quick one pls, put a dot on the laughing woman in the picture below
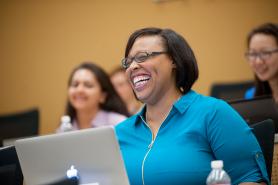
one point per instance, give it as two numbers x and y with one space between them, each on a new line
176 135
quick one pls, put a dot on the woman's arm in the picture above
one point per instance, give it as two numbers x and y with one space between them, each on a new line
223 127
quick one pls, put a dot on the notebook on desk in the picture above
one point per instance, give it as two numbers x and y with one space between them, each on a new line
94 153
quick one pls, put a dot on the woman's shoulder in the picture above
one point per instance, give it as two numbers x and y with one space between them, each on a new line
130 121
116 116
208 106
208 101
112 118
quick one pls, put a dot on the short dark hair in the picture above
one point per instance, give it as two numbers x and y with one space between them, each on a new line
178 49
271 29
113 102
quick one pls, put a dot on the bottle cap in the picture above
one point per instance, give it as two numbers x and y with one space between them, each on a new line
217 164
65 119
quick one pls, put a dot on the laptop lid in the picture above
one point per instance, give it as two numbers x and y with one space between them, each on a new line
94 153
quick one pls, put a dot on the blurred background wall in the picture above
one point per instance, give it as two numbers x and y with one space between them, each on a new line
42 40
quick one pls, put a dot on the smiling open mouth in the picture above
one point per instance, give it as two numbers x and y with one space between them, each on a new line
140 81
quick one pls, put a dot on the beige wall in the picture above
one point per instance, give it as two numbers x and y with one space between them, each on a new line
42 40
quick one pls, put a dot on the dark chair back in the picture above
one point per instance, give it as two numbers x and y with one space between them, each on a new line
230 91
257 109
10 170
264 132
18 125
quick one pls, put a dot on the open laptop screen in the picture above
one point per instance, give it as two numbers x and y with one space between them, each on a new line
94 153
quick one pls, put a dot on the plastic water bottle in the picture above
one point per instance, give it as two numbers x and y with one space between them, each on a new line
66 124
218 176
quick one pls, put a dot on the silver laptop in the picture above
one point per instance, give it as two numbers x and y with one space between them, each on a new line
93 153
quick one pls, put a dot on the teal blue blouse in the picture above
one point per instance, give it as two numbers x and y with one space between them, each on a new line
197 130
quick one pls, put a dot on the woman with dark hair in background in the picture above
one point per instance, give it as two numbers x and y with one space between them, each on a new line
262 55
178 132
92 99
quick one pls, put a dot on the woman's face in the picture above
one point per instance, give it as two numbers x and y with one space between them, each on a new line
154 77
85 92
265 69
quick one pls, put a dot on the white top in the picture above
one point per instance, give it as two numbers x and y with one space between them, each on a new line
102 118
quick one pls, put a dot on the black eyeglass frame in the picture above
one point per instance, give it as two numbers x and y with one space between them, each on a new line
126 62
263 55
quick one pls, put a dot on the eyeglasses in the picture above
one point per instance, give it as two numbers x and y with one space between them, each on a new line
140 57
263 55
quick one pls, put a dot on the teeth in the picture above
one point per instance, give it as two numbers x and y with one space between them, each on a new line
140 83
140 78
